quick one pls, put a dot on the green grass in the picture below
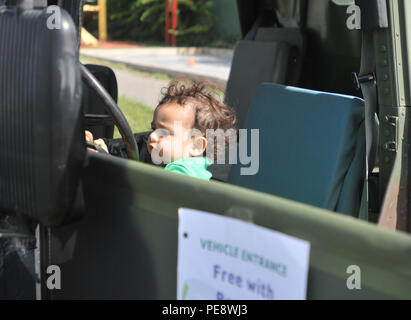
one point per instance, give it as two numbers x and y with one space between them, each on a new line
122 66
139 116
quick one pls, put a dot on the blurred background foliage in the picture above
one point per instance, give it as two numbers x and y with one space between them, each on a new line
143 21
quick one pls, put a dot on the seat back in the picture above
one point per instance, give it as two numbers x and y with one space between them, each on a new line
75 9
312 147
274 56
42 144
92 103
296 40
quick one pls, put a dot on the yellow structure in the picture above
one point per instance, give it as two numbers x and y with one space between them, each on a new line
101 10
88 39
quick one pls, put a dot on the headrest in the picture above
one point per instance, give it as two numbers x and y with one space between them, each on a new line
41 136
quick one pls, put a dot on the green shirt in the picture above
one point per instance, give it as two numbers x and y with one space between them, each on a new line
194 167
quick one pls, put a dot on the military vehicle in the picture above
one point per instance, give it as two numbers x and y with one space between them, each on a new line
327 83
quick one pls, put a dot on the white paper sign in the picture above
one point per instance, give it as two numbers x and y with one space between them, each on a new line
223 258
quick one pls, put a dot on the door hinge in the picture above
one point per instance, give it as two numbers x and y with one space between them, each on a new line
392 146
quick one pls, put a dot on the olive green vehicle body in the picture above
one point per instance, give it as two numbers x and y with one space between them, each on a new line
125 246
128 248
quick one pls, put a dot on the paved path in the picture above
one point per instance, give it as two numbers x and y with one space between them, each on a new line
199 63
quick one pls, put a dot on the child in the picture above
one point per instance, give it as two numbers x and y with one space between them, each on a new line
188 119
185 115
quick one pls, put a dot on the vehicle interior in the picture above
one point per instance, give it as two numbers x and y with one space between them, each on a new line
110 221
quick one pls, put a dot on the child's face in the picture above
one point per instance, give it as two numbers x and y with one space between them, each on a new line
173 137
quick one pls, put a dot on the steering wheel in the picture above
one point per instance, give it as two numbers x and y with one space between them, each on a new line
114 111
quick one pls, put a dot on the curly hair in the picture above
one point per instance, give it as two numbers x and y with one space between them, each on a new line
210 111
206 98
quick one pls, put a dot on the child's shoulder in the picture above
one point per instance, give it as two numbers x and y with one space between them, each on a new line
193 167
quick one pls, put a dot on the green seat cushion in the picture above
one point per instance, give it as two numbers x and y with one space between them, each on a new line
311 147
